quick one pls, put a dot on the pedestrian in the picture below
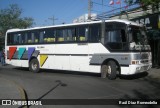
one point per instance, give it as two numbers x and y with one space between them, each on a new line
2 55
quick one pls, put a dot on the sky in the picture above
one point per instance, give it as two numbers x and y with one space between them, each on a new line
65 11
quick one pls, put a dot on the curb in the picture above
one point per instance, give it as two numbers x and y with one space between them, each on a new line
20 89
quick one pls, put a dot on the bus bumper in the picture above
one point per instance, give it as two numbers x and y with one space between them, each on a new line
133 69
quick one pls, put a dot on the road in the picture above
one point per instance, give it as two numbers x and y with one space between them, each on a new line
76 85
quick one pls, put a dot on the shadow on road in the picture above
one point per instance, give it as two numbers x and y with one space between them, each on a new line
71 72
59 83
61 72
21 68
151 83
135 76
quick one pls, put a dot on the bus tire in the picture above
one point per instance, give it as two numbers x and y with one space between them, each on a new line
34 65
109 70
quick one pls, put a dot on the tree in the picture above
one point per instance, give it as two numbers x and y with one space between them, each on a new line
145 3
153 3
11 18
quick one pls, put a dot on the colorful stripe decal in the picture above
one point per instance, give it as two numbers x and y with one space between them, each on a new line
30 52
12 50
43 59
21 52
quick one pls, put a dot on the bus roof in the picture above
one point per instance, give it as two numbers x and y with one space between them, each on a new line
72 24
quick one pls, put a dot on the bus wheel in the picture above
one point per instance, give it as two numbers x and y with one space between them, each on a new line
109 70
34 65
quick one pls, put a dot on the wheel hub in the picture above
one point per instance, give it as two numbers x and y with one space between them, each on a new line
34 66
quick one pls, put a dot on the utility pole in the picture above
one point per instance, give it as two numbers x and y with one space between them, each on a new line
89 9
53 19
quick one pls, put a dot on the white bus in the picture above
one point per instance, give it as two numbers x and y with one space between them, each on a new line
108 47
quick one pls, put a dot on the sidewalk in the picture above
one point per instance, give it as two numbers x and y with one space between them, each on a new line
154 73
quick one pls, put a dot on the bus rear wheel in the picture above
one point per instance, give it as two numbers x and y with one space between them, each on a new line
109 70
34 65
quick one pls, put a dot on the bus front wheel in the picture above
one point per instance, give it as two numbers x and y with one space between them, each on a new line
34 65
109 70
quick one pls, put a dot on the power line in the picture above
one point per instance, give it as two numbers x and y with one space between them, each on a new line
53 19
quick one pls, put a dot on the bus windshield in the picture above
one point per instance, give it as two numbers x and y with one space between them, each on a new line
137 37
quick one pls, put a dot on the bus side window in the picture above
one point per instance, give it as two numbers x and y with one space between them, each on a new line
36 36
83 33
94 33
19 38
70 34
113 39
116 39
26 38
32 37
10 39
74 36
41 39
49 35
65 35
59 35
123 35
29 37
15 39
23 38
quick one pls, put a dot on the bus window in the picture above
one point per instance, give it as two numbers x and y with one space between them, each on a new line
65 35
59 35
74 36
36 37
41 38
94 33
29 37
115 39
70 34
26 38
113 36
33 37
83 33
17 38
123 35
22 38
10 39
49 35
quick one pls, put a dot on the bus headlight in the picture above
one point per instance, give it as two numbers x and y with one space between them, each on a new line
135 62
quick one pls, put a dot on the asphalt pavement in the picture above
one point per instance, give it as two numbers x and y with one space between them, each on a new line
79 86
11 90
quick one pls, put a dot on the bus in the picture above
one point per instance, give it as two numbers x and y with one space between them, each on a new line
109 47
